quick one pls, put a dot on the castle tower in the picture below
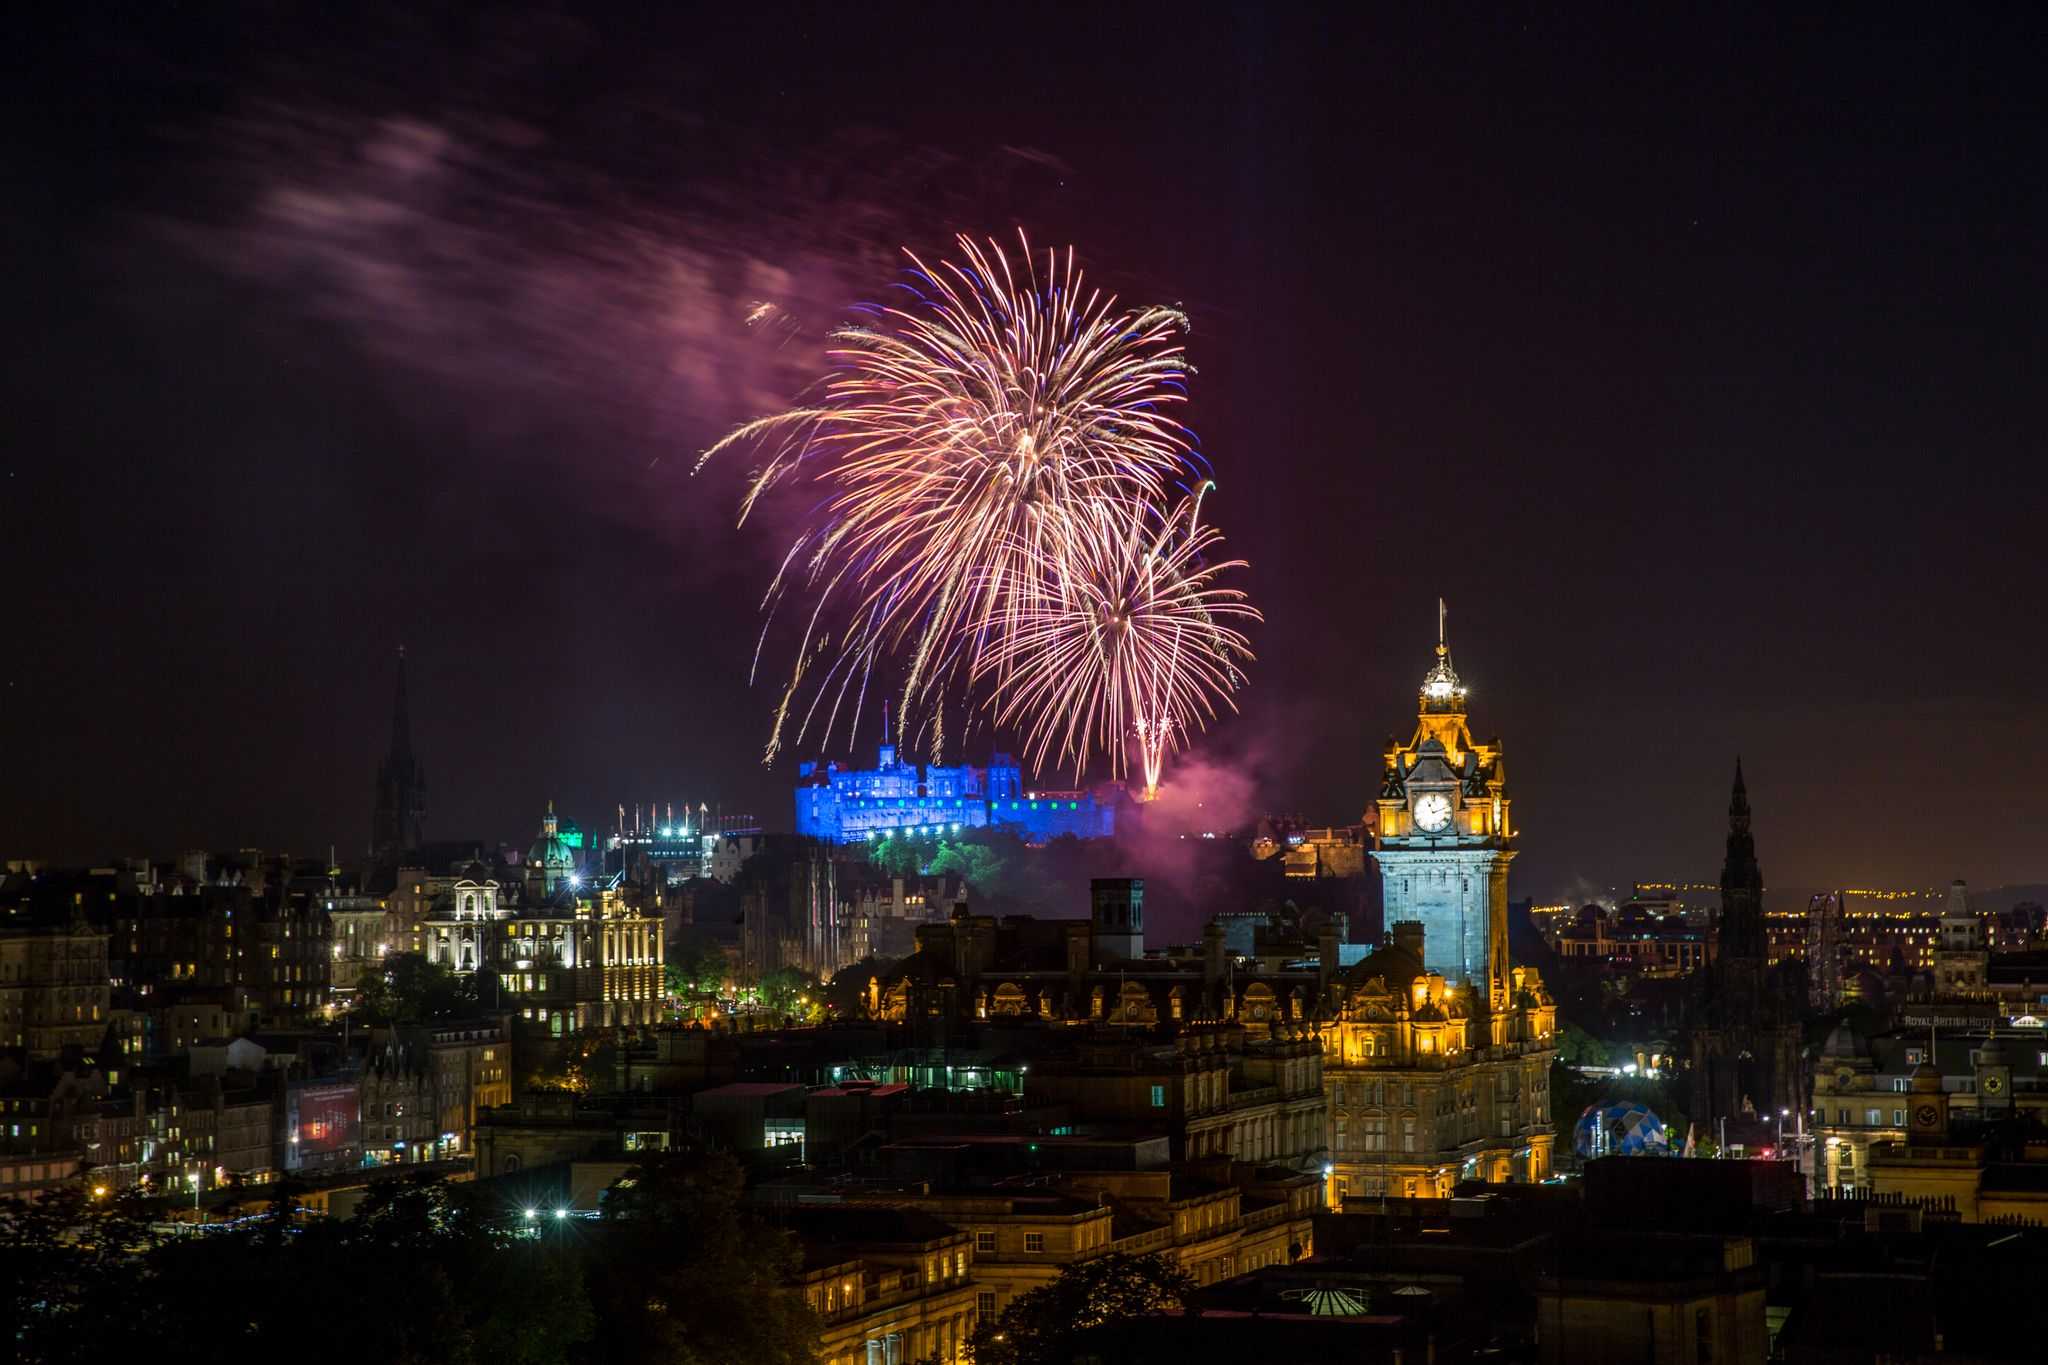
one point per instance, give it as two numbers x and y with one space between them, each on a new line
398 820
1443 838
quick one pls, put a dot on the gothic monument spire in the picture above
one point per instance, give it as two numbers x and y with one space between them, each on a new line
398 822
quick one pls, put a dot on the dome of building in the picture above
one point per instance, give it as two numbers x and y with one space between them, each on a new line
550 853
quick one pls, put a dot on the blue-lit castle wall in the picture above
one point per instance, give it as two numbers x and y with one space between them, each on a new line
848 805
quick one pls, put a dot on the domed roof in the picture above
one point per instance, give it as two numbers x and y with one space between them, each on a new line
548 851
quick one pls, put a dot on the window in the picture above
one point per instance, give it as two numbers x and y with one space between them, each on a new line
1034 1241
1158 1097
1899 1083
1898 1118
1841 1116
984 1243
985 1303
1873 1117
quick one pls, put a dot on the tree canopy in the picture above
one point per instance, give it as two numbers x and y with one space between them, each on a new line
410 989
1040 1327
676 1272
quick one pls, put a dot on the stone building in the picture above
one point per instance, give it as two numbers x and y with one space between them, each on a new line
1427 1087
975 967
891 1284
423 1086
1922 1114
1213 1089
1215 1219
53 987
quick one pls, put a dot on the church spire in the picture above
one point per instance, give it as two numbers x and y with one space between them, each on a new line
401 717
1742 881
398 822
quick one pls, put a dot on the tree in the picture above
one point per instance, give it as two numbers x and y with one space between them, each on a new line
975 863
410 989
790 991
698 973
1040 1327
898 857
681 1273
68 1271
847 995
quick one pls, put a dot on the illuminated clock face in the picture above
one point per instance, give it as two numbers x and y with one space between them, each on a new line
1433 811
1926 1115
1993 1084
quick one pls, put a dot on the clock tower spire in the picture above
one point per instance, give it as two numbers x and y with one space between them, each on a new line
1442 836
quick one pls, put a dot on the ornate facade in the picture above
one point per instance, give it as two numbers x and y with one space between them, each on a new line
573 954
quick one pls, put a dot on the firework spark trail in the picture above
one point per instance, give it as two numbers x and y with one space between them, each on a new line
994 457
1131 641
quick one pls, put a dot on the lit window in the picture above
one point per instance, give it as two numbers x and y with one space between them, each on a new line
1158 1097
1034 1241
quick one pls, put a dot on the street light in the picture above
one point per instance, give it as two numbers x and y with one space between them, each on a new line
193 1178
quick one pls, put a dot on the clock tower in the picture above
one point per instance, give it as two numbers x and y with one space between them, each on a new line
1443 838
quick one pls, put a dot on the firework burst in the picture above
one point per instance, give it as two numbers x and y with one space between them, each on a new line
984 450
1131 641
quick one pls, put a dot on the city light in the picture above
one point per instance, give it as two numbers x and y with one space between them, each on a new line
531 1214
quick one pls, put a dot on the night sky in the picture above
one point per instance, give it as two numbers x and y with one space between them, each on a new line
1696 362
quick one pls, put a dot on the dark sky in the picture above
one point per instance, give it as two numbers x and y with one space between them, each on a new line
1695 360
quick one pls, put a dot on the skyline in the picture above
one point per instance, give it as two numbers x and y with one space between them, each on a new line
1691 365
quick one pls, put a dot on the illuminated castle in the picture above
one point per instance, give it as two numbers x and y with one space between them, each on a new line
918 801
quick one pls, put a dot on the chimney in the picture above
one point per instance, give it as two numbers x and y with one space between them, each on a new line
1213 960
1408 935
1326 957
